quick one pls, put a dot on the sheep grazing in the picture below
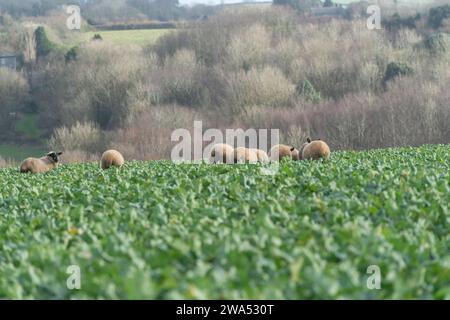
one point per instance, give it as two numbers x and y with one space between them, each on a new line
222 153
41 165
244 155
302 148
263 157
315 150
112 158
281 151
296 155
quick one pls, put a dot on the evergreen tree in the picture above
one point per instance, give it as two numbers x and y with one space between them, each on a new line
43 43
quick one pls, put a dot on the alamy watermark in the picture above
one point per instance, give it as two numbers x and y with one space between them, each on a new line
74 280
74 20
374 280
374 20
194 146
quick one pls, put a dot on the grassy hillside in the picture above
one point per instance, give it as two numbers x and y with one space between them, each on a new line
68 39
124 37
160 230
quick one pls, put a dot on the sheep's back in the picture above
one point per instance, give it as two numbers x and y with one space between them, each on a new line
245 155
27 165
112 158
35 165
316 150
261 154
283 152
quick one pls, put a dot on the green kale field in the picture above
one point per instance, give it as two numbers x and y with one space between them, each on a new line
157 230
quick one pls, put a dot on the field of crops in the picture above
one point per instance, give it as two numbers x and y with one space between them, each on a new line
165 231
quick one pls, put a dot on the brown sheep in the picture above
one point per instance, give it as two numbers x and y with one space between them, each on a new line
303 148
281 151
315 150
296 155
222 153
263 157
41 165
112 158
244 155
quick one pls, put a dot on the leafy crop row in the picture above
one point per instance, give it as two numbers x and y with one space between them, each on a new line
157 230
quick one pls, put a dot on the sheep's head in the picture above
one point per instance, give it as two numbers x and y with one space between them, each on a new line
54 156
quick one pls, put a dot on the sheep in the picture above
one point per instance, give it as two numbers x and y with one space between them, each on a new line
296 155
263 157
41 165
301 150
281 151
222 153
111 158
315 150
244 155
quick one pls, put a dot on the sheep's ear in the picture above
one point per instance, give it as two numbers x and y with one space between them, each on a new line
59 153
292 149
309 140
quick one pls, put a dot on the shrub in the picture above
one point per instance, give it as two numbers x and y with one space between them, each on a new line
169 43
294 136
396 22
50 103
85 137
97 37
411 112
13 99
6 163
407 40
262 87
395 69
438 43
249 48
71 55
101 84
43 45
339 58
80 156
148 134
186 82
178 78
307 91
438 15
210 39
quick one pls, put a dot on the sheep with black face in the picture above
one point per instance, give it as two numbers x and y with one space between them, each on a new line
41 165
